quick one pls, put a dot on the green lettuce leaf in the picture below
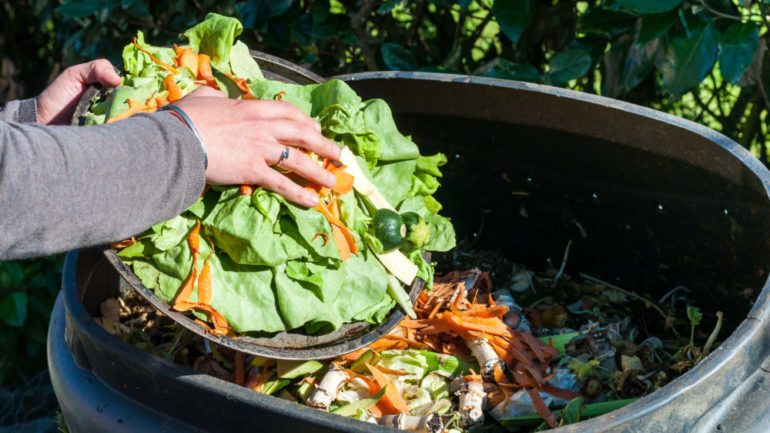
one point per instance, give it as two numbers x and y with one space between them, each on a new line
394 180
243 65
215 36
442 233
139 64
248 237
141 91
392 145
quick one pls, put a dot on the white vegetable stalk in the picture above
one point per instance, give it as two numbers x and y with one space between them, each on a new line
472 401
419 424
486 356
326 391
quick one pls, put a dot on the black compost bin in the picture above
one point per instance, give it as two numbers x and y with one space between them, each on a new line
649 200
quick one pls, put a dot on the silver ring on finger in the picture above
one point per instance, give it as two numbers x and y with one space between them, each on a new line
283 156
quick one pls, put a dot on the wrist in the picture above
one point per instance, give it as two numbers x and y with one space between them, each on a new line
180 114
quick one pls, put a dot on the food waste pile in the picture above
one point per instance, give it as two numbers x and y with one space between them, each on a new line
494 346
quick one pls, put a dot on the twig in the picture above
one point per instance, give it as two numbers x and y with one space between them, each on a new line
647 302
718 13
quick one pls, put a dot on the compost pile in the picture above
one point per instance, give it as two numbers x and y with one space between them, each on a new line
243 260
495 346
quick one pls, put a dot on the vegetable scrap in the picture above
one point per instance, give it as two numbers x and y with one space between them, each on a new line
267 265
503 348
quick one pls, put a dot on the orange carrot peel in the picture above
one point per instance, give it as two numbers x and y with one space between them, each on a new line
391 403
155 59
204 71
182 302
186 58
174 91
135 107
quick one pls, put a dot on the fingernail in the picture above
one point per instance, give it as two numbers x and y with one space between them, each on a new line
317 126
311 199
331 180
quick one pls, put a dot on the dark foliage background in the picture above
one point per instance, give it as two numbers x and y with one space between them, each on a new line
705 60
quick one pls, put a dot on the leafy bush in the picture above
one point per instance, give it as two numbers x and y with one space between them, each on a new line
701 59
27 292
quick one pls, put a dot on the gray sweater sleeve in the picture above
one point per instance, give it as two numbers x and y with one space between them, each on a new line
24 111
65 187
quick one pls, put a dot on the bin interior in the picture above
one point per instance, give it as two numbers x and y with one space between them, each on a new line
643 221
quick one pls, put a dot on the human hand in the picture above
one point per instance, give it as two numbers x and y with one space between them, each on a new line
57 102
245 138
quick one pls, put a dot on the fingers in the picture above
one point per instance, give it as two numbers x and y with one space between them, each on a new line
299 163
294 134
99 71
278 183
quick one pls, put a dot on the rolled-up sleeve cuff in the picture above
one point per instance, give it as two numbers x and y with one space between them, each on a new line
27 111
23 111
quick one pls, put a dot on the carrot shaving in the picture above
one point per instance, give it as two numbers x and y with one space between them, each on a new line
134 107
204 283
409 341
181 301
124 243
346 243
155 59
279 96
393 372
474 377
246 190
344 182
174 91
205 74
392 401
193 240
161 101
243 85
186 57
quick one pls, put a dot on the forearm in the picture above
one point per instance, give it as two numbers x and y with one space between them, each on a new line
23 111
69 187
